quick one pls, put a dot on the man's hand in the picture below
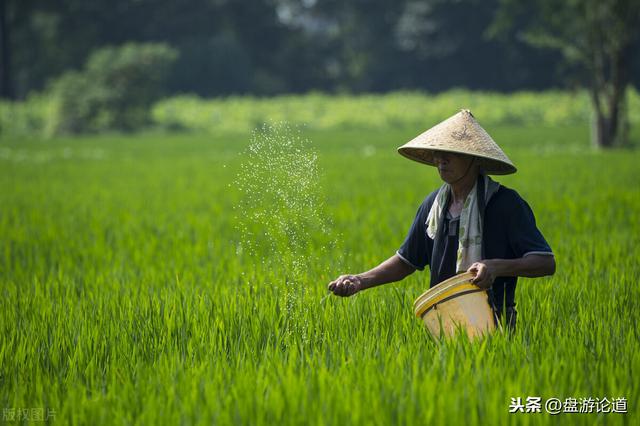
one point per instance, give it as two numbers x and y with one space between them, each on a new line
346 285
484 273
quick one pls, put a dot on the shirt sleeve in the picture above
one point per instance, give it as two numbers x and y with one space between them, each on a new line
524 236
414 250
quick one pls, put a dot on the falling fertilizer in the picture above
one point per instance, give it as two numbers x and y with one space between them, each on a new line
280 216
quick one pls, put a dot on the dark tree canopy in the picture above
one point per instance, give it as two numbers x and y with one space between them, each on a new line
284 46
597 38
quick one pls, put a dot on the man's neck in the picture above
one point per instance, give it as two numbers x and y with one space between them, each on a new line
462 188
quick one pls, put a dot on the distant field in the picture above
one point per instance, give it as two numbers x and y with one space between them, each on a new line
125 298
40 115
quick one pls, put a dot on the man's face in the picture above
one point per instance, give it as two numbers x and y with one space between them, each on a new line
452 167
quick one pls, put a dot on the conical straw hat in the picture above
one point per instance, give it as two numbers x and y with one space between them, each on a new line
463 135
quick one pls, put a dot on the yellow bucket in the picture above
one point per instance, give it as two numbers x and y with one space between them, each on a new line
453 304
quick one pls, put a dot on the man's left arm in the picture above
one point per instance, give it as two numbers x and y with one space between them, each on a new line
532 265
532 255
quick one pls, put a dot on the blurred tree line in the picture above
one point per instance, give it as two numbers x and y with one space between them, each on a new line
266 47
275 46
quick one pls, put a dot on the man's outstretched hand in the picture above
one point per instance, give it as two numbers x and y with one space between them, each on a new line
346 285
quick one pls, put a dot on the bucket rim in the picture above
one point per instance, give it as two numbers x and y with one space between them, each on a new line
443 290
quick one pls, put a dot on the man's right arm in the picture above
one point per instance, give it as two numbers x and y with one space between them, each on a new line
412 255
391 270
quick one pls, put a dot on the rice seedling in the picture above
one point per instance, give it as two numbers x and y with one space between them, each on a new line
125 299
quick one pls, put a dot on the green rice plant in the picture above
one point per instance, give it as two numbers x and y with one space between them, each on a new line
125 300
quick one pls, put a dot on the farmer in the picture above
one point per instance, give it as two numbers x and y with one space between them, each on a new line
471 223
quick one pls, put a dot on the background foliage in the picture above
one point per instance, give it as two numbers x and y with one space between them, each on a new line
290 46
113 91
39 115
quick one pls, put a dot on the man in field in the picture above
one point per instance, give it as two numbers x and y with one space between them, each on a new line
471 223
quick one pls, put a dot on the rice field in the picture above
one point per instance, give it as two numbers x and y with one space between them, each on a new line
129 295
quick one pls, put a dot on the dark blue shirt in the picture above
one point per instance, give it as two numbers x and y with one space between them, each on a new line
446 267
509 232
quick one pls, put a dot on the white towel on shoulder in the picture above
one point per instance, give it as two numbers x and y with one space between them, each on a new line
470 231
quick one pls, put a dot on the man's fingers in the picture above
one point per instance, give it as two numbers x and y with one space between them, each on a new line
341 289
333 284
473 269
478 271
353 289
344 288
355 284
482 275
345 285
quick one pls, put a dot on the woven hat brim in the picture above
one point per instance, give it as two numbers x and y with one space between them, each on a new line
490 166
